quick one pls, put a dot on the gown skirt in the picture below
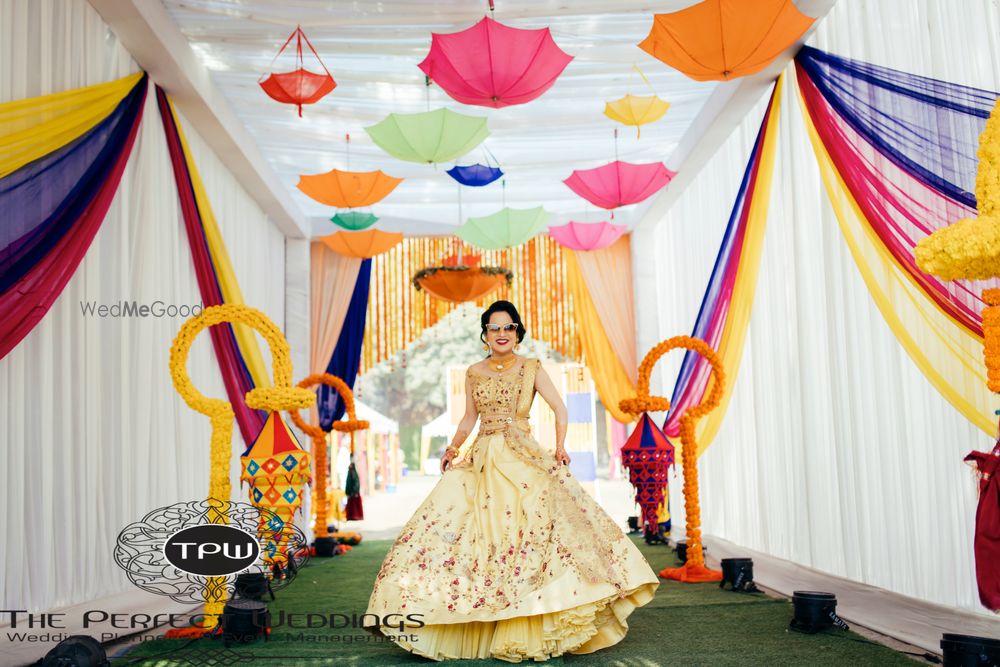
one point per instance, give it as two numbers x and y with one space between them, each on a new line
508 556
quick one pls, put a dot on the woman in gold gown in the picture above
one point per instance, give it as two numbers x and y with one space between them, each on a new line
508 556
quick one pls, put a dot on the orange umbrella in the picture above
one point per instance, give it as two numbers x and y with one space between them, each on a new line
724 39
364 244
459 285
348 189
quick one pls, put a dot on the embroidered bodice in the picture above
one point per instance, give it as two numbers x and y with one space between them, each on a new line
495 395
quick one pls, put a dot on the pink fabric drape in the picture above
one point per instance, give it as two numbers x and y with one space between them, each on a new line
608 275
332 283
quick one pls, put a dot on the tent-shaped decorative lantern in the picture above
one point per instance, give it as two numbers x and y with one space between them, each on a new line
717 40
648 456
299 86
494 65
277 471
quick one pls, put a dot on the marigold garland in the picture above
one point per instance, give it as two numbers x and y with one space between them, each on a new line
318 436
694 569
281 396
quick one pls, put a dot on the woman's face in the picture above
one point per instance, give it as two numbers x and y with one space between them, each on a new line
505 338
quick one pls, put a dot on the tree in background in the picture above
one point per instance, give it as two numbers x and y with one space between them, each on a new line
410 387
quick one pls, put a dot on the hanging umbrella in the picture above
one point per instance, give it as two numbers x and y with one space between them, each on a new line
636 110
476 175
506 228
718 40
494 65
586 235
648 456
459 284
364 244
348 189
354 220
619 183
299 86
432 136
277 470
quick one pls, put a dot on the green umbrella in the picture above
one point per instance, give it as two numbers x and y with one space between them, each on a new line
506 228
433 136
354 220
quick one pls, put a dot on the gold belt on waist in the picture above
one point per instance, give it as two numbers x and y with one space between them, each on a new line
494 423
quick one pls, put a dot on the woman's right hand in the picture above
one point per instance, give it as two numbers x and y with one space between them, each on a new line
448 457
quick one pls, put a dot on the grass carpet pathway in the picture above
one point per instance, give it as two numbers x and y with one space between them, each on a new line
685 625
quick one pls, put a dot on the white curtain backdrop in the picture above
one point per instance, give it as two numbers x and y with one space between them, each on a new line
836 453
92 434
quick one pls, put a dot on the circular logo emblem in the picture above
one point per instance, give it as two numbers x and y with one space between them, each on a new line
211 550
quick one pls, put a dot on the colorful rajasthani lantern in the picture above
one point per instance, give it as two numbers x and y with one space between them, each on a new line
277 470
648 456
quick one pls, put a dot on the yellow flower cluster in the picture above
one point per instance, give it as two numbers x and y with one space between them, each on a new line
281 396
970 248
688 423
991 338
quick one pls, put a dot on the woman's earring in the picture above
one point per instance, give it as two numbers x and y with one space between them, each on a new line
486 346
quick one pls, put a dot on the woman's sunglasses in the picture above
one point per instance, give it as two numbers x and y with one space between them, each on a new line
502 327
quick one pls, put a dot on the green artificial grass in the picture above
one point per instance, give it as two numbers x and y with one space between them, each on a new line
685 624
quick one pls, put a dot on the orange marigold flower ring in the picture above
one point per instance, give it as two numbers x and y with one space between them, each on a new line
694 570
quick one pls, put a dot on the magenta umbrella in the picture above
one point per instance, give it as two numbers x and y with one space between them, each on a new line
494 65
586 235
619 183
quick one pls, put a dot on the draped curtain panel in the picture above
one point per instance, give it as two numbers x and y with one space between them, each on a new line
240 360
608 275
346 358
724 315
92 434
55 202
836 451
610 379
898 157
333 277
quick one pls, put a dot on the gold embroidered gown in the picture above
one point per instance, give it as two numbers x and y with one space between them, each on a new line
508 556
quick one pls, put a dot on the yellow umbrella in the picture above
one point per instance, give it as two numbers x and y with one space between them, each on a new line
636 110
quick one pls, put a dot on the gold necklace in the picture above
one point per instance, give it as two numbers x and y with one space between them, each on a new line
504 364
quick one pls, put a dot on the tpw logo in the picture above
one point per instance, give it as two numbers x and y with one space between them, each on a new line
211 550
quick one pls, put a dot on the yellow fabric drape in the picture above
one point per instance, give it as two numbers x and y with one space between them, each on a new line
608 275
332 284
38 126
745 286
228 283
948 355
610 378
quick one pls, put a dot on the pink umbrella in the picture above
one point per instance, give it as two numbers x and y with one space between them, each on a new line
494 65
619 183
586 235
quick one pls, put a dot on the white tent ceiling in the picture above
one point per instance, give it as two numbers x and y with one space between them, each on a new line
372 50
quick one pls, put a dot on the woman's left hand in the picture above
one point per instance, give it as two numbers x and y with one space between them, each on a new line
562 456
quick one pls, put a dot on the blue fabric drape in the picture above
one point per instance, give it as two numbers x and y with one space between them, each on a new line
929 128
346 356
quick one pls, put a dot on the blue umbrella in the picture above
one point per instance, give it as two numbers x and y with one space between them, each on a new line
476 175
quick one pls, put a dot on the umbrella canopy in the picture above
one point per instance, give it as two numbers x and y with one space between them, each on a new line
431 136
636 110
348 189
300 86
717 40
619 183
364 244
586 235
494 65
476 175
354 220
457 285
506 228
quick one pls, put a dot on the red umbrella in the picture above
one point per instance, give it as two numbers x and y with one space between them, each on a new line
299 86
619 183
494 65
